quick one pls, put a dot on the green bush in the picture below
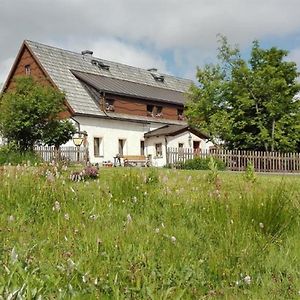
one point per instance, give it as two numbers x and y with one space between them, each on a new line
10 155
199 163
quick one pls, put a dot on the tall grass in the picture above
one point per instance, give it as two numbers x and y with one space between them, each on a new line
148 234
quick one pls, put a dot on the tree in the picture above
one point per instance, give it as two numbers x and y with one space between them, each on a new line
58 132
29 111
251 104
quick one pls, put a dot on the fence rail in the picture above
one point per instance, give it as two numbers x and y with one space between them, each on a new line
237 160
70 154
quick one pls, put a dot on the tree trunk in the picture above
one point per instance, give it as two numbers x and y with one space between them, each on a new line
272 135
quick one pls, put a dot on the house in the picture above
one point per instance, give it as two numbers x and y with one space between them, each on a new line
123 109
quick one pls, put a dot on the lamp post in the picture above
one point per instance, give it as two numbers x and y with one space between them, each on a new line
190 140
77 140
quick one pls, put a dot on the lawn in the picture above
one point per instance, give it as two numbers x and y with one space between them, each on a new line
148 234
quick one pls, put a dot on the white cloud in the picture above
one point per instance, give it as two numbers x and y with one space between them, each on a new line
119 51
294 56
136 32
5 67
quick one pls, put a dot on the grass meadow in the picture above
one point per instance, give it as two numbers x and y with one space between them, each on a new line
137 233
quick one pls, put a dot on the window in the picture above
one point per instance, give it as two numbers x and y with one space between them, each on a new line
150 110
154 111
27 70
109 104
97 146
142 146
180 114
121 147
180 145
158 149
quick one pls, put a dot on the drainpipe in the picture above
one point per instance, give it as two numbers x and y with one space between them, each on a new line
166 145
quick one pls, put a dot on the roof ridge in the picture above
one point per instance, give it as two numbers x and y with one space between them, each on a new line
114 62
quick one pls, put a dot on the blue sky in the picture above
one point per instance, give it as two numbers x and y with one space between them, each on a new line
174 36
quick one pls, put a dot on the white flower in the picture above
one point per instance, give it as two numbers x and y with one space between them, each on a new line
96 281
67 217
11 218
85 278
14 255
93 217
129 219
156 230
173 239
134 199
261 225
56 206
71 264
247 279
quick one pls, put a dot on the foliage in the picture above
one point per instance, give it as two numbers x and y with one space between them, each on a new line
58 132
199 163
248 105
29 113
11 155
124 238
249 174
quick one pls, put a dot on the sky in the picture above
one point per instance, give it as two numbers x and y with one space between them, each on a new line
173 36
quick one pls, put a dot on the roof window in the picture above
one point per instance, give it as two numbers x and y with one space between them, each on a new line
157 76
100 64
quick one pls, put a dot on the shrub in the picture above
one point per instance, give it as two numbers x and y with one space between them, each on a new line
89 172
199 163
11 155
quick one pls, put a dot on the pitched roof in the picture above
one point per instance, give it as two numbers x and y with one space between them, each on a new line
58 63
129 88
172 130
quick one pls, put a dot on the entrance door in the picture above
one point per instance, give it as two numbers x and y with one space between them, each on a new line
196 147
121 147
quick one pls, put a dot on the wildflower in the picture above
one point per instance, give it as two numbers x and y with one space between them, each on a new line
247 279
11 219
173 239
165 179
156 230
85 278
96 281
67 217
71 265
129 219
134 199
93 217
261 225
56 206
145 193
14 255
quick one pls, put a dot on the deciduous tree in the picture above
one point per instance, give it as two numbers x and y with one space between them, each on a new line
248 104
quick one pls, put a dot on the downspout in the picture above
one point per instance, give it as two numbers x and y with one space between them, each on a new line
78 124
166 145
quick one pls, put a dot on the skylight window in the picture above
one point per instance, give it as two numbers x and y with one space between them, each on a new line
100 64
157 76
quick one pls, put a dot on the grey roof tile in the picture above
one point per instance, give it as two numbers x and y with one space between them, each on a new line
58 63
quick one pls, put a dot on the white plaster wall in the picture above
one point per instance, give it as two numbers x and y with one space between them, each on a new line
183 138
172 142
110 131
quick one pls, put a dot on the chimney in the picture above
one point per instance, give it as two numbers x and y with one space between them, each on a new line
87 53
152 70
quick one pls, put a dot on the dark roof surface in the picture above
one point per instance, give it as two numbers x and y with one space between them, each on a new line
129 88
172 130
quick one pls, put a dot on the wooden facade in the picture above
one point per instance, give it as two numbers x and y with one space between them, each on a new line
138 107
